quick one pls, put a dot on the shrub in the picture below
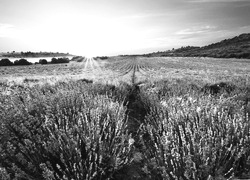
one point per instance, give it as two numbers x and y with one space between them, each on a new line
53 60
62 134
59 60
197 138
218 88
30 80
6 62
22 62
79 130
85 80
43 61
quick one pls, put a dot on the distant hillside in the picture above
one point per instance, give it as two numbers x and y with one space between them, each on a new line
237 47
34 54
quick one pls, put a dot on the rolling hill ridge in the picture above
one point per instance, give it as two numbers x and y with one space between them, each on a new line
236 47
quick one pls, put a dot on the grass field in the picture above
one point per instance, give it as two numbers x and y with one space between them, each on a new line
126 118
209 70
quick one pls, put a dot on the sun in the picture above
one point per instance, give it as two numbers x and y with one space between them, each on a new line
85 54
88 56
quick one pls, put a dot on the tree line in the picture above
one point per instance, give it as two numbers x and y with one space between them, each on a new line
7 62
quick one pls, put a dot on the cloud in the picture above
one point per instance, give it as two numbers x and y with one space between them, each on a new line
196 30
6 30
247 28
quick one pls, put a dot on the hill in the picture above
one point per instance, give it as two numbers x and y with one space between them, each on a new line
236 47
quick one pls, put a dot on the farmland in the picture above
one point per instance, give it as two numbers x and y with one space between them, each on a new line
115 69
126 118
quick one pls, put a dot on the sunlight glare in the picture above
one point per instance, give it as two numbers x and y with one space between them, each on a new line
90 64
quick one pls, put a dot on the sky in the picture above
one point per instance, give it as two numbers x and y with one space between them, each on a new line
116 27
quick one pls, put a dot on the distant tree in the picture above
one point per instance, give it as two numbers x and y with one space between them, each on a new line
43 61
53 60
63 60
6 62
16 62
102 57
22 62
59 60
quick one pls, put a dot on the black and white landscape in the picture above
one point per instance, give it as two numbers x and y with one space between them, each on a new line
124 90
